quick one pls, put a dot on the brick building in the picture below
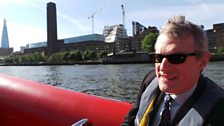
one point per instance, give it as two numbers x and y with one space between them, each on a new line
216 37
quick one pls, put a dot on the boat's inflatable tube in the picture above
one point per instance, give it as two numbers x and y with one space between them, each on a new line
28 103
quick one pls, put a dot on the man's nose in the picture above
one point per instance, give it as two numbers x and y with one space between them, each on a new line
164 64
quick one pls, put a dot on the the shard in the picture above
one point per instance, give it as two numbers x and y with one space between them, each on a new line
5 39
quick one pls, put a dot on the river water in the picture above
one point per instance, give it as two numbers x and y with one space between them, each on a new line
119 82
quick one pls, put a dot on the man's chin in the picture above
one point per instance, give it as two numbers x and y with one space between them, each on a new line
166 87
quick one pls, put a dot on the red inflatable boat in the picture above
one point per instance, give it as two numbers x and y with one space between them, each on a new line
28 103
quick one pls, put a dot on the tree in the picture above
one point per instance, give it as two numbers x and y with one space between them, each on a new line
38 57
9 59
75 55
102 53
88 54
27 58
149 41
66 56
56 57
220 50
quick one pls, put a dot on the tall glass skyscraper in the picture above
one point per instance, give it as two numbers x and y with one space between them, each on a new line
5 39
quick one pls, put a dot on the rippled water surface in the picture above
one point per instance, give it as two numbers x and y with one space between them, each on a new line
112 81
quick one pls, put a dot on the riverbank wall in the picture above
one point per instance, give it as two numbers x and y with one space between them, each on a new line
127 58
217 57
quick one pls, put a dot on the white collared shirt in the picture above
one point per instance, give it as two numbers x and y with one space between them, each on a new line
178 101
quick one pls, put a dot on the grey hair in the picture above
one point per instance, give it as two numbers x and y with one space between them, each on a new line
178 27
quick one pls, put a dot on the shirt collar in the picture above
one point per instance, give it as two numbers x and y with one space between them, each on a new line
181 98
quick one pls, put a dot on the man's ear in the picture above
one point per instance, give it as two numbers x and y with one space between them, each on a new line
205 60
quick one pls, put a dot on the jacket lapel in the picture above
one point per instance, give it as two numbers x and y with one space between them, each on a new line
189 103
155 108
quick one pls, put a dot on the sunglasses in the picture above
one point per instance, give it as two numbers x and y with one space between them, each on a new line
177 58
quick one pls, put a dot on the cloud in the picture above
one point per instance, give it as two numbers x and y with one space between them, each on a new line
13 1
200 13
193 1
75 23
71 22
21 34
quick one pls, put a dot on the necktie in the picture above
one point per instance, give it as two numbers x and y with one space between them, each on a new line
166 115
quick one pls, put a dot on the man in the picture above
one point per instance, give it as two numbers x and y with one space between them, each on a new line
179 94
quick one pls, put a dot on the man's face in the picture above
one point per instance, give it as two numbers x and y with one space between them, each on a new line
178 78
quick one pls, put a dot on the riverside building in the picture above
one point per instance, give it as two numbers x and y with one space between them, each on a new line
216 37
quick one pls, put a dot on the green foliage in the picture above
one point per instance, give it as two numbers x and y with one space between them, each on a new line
57 57
88 54
30 58
66 55
149 41
42 57
102 53
75 55
38 57
60 57
25 58
220 50
8 60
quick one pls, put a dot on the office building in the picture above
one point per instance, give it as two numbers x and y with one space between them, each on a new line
216 37
5 39
5 50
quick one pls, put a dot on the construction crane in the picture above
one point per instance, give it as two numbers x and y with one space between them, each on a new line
124 33
123 15
92 18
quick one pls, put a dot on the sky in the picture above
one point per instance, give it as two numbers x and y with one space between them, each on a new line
26 19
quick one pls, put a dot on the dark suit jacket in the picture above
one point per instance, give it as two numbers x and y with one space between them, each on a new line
214 118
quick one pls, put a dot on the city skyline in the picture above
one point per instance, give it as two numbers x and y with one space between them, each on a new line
26 20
